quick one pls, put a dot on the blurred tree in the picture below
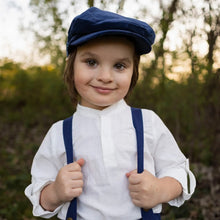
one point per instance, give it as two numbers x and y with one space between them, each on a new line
212 20
51 27
155 73
164 26
90 3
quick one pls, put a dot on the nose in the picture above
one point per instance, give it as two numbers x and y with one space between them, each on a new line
105 75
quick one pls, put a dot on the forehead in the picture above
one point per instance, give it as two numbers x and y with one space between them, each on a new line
109 44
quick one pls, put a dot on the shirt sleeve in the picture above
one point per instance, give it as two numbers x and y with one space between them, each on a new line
48 160
170 161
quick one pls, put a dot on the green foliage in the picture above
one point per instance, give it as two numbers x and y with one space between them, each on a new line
29 91
30 101
190 108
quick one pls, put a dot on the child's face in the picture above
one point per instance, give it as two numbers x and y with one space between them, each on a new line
103 70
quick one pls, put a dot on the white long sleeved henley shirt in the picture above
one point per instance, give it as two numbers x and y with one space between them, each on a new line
106 140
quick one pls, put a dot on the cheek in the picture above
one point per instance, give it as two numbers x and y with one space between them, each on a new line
127 82
78 81
80 86
80 77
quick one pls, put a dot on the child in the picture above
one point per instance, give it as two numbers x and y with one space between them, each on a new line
103 51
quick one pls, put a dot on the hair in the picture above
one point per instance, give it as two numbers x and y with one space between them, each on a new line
69 76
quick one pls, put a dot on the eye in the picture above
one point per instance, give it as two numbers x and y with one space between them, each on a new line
91 62
120 66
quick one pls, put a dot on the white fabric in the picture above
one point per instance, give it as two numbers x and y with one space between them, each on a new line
107 142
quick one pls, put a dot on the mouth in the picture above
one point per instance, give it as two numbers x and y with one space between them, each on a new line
103 90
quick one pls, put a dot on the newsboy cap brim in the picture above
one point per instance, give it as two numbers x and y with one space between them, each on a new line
94 23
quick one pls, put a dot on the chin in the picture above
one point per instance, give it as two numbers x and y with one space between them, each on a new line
102 105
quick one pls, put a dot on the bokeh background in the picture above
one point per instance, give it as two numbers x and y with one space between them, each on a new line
179 80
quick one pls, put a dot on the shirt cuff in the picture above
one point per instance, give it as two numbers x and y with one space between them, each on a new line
191 183
186 178
33 193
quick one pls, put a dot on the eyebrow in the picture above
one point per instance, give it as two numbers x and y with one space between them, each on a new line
124 59
85 54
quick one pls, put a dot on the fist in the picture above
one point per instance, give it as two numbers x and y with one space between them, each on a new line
69 181
143 188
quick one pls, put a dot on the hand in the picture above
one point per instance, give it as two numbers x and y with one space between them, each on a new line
68 185
144 189
147 191
69 181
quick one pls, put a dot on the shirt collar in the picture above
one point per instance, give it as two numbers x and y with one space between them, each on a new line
113 109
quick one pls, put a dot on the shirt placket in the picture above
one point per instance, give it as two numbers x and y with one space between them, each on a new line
108 148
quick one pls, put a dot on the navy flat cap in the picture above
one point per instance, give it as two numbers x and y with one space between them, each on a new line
95 23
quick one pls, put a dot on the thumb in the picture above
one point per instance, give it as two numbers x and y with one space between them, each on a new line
130 173
81 162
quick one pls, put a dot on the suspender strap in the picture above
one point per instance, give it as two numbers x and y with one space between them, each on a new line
138 125
68 142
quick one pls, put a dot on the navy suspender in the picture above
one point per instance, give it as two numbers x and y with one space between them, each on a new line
68 141
138 125
137 119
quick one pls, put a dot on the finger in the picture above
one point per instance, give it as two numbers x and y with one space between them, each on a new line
137 202
134 196
73 167
76 192
134 179
76 166
81 162
77 184
76 176
130 173
134 187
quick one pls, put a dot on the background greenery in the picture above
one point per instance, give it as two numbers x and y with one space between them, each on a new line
34 97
